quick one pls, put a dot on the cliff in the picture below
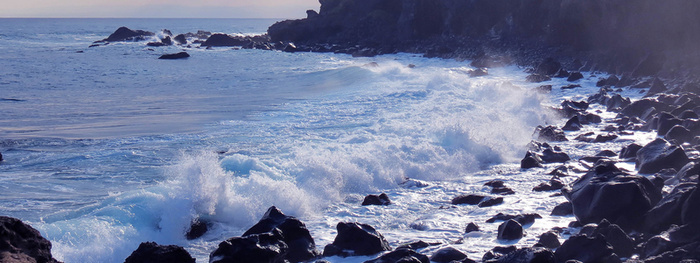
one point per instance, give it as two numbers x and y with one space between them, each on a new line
643 37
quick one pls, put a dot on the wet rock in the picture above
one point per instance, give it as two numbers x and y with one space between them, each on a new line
544 89
471 227
414 245
549 240
572 124
679 134
179 55
691 214
563 209
491 202
531 160
606 153
630 151
551 156
403 255
573 108
498 187
126 34
181 39
356 239
497 252
588 118
612 80
621 243
224 40
605 138
550 134
266 247
638 108
21 243
150 252
197 229
548 67
448 254
535 78
381 199
478 72
658 155
656 87
552 185
471 199
523 219
295 235
605 192
666 121
571 86
616 103
510 230
587 250
689 173
574 76
526 255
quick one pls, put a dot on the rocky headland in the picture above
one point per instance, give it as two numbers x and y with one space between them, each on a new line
651 215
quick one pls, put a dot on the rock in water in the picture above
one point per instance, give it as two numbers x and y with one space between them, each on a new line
658 155
405 255
549 240
150 252
605 192
197 229
510 230
471 227
21 243
668 211
551 134
527 255
262 248
301 246
126 34
175 56
448 254
587 250
472 199
381 199
356 239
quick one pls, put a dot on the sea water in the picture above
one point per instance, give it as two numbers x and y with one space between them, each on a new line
107 147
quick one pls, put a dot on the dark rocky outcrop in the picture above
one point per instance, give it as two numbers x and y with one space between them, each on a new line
381 199
448 254
405 255
22 243
510 230
295 236
491 201
355 239
197 229
587 250
179 55
151 252
126 34
224 40
471 199
550 134
526 255
262 248
658 155
605 192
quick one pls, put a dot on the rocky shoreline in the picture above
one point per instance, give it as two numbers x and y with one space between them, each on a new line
620 216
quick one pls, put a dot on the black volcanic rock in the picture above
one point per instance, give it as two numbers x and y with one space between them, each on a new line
197 229
471 199
526 255
630 151
356 239
549 240
295 235
22 243
491 201
266 247
658 155
550 134
605 192
587 250
126 34
180 39
448 254
563 209
381 199
471 227
510 230
179 55
574 76
151 252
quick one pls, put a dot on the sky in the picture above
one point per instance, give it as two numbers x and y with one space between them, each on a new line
158 8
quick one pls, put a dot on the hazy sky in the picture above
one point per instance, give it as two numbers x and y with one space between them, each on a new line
158 8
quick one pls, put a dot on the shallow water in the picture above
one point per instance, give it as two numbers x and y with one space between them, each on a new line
112 147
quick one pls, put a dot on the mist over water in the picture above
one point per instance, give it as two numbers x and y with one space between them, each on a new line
112 147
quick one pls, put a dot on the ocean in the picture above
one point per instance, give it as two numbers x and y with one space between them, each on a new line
107 147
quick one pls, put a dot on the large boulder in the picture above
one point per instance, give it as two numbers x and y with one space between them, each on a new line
257 248
301 246
658 155
668 211
621 243
151 252
381 199
356 239
586 250
510 230
224 40
126 34
605 192
20 243
448 254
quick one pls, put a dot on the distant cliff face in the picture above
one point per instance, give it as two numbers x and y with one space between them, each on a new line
632 27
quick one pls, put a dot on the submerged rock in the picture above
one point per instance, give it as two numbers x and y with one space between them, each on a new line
151 252
179 55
